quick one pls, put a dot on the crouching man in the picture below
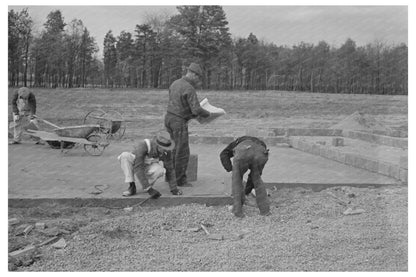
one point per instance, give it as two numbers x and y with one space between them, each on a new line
24 114
250 153
150 160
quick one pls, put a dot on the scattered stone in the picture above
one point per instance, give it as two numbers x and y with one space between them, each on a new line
40 225
350 211
50 240
216 236
351 195
60 244
13 221
230 208
18 253
128 209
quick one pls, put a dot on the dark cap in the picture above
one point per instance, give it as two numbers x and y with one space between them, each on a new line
195 68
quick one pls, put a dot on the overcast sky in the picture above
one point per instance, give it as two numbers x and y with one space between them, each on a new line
282 25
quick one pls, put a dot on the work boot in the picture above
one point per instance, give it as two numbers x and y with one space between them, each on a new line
176 192
131 190
153 193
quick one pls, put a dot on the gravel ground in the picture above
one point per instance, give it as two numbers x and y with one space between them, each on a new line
307 231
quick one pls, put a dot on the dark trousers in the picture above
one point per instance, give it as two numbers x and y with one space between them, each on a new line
177 127
249 155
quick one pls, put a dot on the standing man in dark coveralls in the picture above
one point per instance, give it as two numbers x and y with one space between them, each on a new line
183 106
249 153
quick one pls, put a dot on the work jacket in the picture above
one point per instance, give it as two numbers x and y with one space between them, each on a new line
144 157
23 102
228 152
183 101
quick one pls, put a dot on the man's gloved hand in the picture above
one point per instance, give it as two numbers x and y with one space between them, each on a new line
16 117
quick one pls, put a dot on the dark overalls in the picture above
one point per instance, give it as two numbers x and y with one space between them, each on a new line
183 106
249 153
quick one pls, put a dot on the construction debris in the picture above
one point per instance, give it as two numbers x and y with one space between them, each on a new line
25 251
205 229
196 229
50 240
216 236
60 244
40 225
20 229
350 211
27 230
13 221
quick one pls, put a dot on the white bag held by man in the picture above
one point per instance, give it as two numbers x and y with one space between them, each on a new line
215 112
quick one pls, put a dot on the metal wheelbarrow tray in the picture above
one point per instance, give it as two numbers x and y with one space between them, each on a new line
86 135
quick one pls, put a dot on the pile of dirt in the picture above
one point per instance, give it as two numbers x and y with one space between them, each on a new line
361 122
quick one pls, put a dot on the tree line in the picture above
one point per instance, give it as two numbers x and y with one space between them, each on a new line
158 51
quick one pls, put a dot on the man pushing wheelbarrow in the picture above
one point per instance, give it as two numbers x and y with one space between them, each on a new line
24 114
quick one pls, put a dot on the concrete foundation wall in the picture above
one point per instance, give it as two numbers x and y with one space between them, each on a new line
392 170
379 139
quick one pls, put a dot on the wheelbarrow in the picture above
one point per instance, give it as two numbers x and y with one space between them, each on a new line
68 137
111 122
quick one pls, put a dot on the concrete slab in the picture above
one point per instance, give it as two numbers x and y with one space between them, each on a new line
45 174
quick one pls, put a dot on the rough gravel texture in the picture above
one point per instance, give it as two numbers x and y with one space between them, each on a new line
307 231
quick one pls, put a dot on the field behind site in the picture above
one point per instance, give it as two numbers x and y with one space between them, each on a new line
143 110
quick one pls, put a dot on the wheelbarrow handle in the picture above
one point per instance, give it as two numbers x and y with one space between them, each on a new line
47 122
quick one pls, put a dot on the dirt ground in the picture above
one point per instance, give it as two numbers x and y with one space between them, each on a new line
143 110
307 231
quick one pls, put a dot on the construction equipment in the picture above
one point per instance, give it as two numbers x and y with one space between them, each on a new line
67 137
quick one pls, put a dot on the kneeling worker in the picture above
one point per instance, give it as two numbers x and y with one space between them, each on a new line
250 153
150 160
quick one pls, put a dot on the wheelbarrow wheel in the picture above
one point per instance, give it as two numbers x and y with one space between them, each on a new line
97 146
97 117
